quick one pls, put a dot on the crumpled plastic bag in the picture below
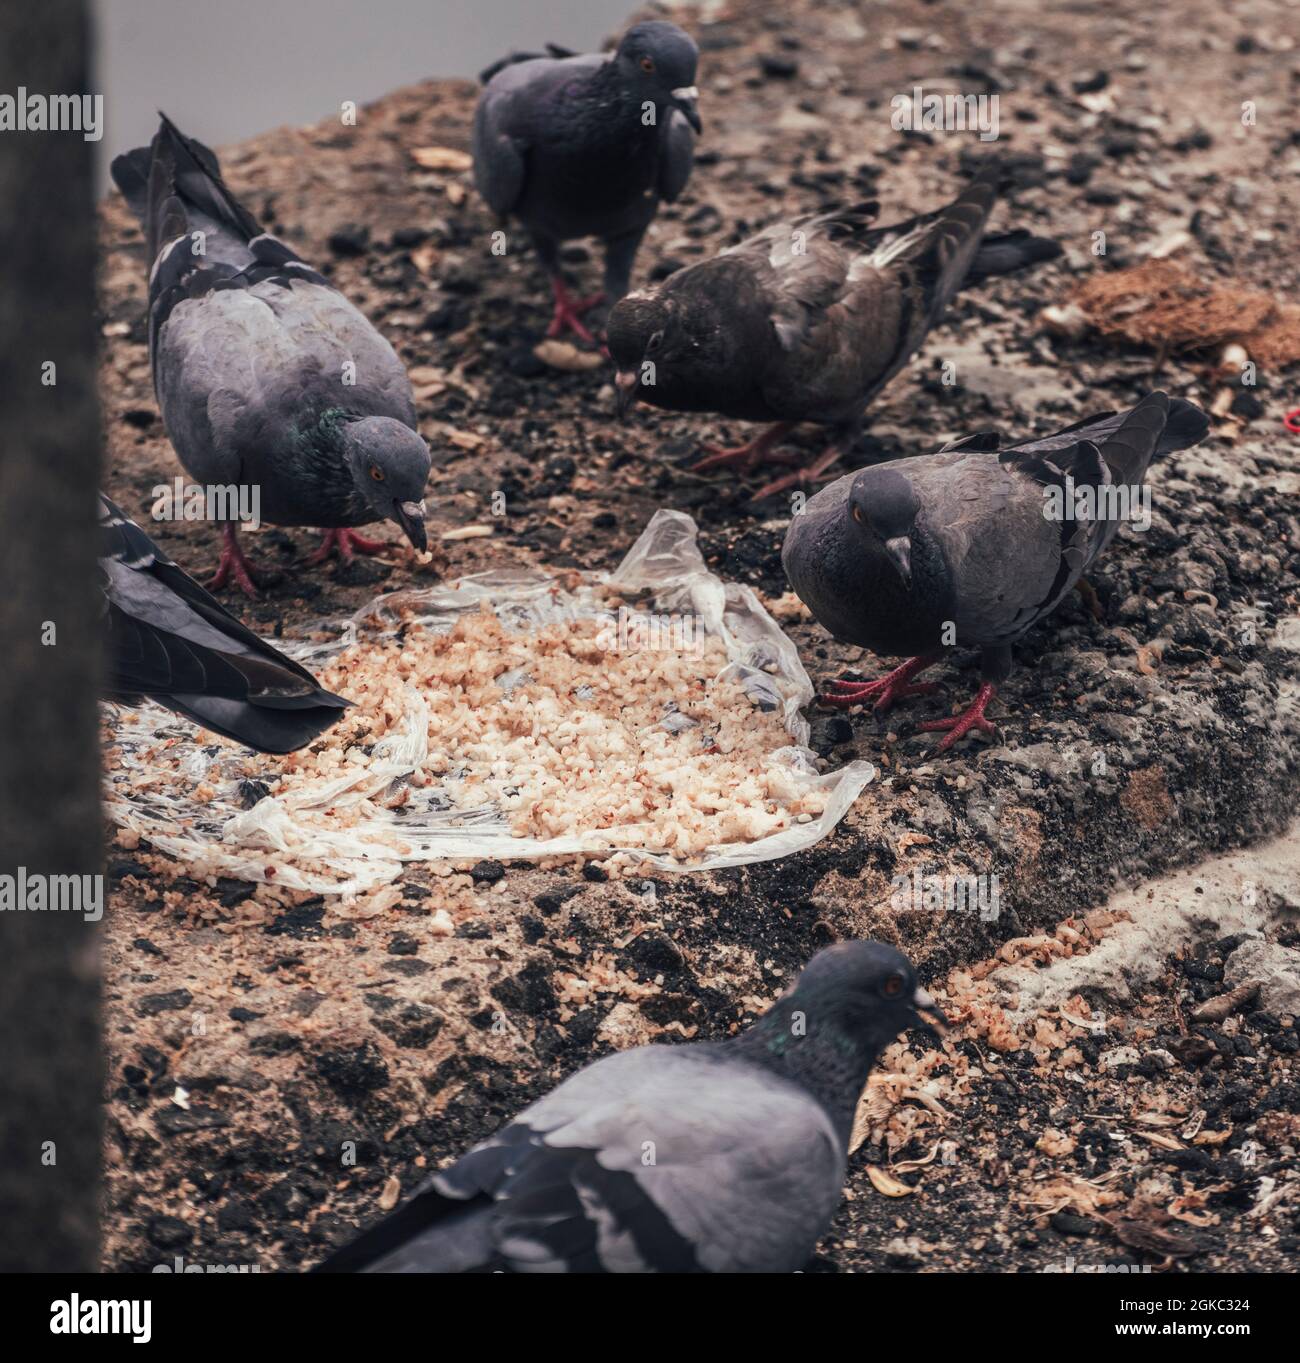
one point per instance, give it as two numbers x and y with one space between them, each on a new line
664 570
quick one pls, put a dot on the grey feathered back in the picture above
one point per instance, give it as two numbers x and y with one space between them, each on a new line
985 556
808 319
251 347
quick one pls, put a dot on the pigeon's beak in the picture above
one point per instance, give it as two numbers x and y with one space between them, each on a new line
900 550
410 516
685 97
928 1014
626 383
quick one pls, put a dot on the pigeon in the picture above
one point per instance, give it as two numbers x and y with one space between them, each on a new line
167 639
807 320
973 545
268 378
588 146
705 1157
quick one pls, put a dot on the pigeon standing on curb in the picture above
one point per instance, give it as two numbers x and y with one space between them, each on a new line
972 546
588 146
706 1157
170 641
807 320
267 377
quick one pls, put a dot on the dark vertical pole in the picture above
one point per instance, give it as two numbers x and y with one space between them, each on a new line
50 1051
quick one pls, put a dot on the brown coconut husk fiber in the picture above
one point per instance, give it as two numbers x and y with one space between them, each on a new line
1171 309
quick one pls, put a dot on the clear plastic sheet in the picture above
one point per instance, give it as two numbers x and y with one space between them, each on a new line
663 573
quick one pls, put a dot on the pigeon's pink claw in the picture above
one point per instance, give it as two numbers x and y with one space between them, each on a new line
347 543
804 477
884 691
569 312
233 564
757 451
958 726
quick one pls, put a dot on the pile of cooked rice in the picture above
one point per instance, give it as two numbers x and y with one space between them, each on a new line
563 733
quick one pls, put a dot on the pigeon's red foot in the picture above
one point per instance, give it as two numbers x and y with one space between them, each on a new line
958 726
804 477
569 312
757 451
233 564
346 542
895 685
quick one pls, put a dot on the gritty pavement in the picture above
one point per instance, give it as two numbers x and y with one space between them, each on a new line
284 1068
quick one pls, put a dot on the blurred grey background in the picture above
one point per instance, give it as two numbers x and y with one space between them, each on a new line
228 69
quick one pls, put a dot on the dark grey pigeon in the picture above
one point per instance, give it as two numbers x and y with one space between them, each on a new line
169 640
717 1157
972 546
807 321
267 376
588 147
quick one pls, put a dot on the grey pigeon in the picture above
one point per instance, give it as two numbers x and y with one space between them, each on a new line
588 146
167 639
706 1157
267 376
972 546
807 320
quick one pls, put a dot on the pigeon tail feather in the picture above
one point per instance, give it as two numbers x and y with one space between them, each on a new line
553 50
1186 425
174 179
1009 252
438 1234
130 173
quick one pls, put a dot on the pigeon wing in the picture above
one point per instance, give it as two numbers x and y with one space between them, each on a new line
851 302
676 156
169 639
1006 563
500 157
836 330
660 1158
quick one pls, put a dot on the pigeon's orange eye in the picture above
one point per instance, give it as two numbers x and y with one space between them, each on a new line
857 514
647 64
894 984
377 473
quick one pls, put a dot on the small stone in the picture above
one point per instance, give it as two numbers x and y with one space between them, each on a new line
406 237
1120 145
1067 1223
153 1004
1080 168
1091 83
655 953
350 240
274 1043
168 1232
551 901
353 1072
175 1121
1277 968
236 1216
778 67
